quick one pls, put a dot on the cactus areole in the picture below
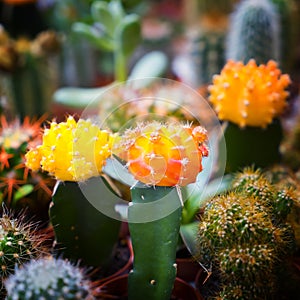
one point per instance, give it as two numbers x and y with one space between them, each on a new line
162 157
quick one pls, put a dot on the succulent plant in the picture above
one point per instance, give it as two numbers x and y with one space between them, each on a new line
18 244
20 188
239 238
75 152
48 278
254 32
162 157
251 98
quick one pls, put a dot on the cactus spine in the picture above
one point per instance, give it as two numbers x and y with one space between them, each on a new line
254 32
17 245
48 279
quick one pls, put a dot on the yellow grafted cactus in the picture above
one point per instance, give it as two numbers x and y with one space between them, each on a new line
164 154
249 95
71 151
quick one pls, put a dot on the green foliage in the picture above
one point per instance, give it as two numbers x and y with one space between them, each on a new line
254 32
112 30
244 235
48 279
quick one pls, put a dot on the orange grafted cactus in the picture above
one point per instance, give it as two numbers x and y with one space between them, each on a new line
164 154
249 95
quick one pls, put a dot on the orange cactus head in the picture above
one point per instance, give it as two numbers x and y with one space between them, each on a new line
249 95
164 154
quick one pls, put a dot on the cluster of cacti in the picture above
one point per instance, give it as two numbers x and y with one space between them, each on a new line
254 32
244 235
48 278
73 152
251 97
19 186
18 244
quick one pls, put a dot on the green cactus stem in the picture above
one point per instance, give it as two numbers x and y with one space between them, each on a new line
252 145
254 32
81 231
154 242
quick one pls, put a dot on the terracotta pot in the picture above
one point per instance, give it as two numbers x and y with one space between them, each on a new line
117 289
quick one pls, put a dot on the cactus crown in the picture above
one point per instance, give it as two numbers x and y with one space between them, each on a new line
73 151
164 154
17 244
48 278
249 95
254 32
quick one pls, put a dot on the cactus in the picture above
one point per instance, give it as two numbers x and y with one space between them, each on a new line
75 152
251 97
254 32
208 55
48 278
18 244
20 188
239 237
161 157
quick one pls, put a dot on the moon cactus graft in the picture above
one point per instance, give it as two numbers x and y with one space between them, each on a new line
251 94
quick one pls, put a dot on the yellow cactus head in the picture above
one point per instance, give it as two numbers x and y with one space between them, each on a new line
164 154
249 95
71 151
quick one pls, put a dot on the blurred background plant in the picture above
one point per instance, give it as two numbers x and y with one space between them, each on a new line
28 73
21 189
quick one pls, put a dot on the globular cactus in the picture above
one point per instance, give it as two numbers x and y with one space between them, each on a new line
162 157
20 188
18 244
240 239
251 98
48 278
254 32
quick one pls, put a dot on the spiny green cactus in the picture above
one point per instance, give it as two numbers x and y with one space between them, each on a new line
254 32
244 235
48 279
279 198
17 244
208 55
